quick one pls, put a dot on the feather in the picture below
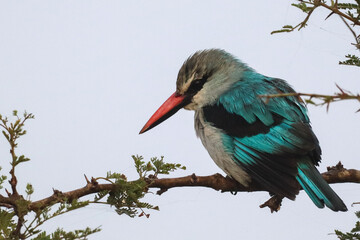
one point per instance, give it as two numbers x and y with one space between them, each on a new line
317 188
272 141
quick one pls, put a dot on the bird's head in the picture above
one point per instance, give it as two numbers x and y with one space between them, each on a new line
202 79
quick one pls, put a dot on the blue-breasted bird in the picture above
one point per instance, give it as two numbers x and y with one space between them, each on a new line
268 141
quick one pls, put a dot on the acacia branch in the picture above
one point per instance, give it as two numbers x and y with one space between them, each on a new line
336 174
325 99
333 8
357 40
349 14
336 10
90 188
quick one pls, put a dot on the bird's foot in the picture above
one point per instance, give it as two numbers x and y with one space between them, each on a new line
274 203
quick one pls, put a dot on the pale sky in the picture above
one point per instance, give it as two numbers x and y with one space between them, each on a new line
93 72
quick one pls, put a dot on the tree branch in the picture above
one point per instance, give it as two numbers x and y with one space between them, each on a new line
325 99
58 196
335 10
336 174
6 200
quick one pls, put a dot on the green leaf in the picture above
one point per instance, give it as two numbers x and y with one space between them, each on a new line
6 135
7 223
353 234
309 101
288 26
303 7
349 6
352 60
61 234
21 159
282 30
2 180
29 189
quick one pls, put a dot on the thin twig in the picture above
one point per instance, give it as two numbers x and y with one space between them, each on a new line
6 205
335 10
357 45
338 12
327 99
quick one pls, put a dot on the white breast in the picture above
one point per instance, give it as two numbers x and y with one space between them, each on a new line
212 141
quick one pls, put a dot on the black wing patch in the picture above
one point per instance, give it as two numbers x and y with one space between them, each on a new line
235 125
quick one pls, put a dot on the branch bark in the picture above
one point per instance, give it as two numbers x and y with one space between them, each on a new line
336 174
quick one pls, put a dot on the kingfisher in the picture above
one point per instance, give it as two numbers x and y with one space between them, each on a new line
268 141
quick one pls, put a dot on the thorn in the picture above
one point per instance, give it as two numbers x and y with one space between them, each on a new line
87 180
56 192
8 193
193 178
152 177
161 191
329 15
338 87
93 181
339 166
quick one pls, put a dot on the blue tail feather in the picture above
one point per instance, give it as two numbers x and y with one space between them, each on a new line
318 202
317 188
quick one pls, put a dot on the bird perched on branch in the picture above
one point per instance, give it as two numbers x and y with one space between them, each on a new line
251 138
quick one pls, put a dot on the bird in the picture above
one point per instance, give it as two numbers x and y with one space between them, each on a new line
267 141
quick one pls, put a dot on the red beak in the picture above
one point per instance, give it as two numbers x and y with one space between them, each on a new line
173 104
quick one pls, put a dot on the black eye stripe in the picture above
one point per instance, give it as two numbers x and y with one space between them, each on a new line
195 86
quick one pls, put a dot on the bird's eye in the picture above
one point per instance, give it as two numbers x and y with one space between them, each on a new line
196 82
196 86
